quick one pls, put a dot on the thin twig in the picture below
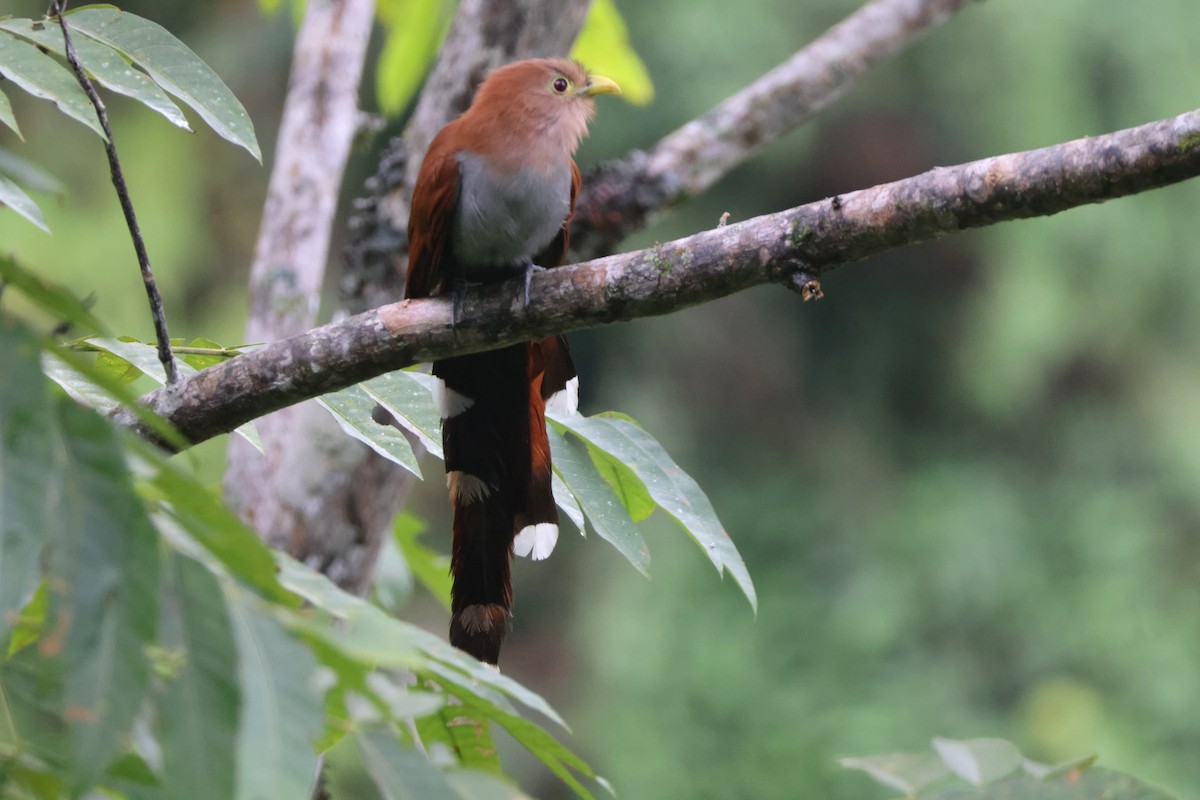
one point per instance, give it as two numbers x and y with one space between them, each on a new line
118 178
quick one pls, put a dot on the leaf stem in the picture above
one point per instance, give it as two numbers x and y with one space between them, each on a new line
59 8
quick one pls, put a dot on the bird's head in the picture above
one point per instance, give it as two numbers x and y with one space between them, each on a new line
540 102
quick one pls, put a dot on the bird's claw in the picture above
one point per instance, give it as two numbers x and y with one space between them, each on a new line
530 268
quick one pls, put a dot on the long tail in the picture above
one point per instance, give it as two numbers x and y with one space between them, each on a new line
498 474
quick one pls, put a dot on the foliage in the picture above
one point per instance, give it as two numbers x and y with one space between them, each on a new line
997 771
156 648
122 52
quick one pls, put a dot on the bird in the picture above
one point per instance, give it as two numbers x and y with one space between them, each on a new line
492 202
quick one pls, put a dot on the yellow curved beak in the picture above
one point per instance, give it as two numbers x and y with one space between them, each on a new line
598 84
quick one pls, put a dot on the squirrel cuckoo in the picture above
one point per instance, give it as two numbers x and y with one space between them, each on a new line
493 201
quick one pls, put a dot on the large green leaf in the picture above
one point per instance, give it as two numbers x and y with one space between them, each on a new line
28 470
672 489
103 578
173 66
352 408
197 711
602 508
14 197
281 714
108 67
42 76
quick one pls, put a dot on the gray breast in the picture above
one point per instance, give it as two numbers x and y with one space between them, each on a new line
505 219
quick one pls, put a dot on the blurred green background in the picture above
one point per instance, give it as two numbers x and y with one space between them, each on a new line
967 483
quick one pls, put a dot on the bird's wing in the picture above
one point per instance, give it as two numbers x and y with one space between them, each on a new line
429 223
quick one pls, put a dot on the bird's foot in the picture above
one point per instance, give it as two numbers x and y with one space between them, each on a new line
530 268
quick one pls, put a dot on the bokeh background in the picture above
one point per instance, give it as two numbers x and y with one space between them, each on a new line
967 483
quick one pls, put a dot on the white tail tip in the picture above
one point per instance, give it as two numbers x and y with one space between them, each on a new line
536 541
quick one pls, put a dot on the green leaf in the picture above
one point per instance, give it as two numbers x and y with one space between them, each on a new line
408 396
672 489
6 115
281 716
430 568
103 572
106 66
978 761
602 508
42 76
15 198
465 733
905 772
28 174
415 29
173 66
402 773
28 469
352 408
603 46
197 712
1090 785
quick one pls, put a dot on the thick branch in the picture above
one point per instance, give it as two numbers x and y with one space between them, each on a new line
773 248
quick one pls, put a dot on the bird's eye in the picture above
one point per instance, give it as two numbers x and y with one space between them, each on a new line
560 85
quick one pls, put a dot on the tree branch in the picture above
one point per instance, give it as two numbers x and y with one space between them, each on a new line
804 241
620 196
